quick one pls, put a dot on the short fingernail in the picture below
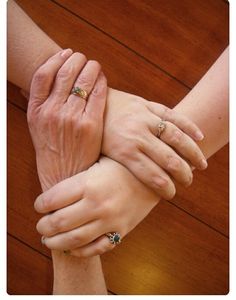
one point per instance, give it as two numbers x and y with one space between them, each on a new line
43 240
160 182
199 136
66 53
203 164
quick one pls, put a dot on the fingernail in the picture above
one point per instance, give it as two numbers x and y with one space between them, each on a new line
199 136
66 53
160 182
43 240
203 164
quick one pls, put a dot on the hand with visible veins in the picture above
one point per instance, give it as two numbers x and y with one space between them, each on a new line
66 129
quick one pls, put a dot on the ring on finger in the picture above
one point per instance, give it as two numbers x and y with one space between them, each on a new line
114 237
79 92
161 127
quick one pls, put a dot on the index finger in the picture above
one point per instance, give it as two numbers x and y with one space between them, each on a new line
62 194
43 78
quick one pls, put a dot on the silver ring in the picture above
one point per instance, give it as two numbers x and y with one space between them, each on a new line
114 237
161 127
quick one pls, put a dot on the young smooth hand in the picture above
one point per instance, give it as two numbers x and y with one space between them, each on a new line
66 129
105 198
131 138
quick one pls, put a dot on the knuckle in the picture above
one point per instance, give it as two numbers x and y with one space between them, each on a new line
173 163
40 76
55 222
127 151
140 143
168 114
160 182
50 115
31 116
64 73
85 81
75 239
88 125
99 89
105 209
46 115
176 137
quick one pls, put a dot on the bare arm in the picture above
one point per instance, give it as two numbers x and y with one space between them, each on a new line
23 60
208 105
28 48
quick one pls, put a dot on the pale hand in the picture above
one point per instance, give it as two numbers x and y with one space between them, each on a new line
130 137
105 198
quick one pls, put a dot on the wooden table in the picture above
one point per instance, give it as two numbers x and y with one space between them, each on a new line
158 49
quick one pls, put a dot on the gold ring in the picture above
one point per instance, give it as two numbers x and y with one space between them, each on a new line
161 127
79 92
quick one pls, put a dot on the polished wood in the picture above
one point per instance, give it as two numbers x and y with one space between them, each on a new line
29 272
182 246
127 76
168 246
183 38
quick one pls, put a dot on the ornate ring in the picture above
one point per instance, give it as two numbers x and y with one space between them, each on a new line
114 237
161 127
79 92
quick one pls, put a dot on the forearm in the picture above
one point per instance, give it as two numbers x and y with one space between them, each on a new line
28 46
76 276
208 106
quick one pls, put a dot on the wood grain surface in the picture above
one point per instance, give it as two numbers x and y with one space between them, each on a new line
164 48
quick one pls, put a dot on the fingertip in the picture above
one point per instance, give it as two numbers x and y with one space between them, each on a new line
36 204
198 135
66 53
203 164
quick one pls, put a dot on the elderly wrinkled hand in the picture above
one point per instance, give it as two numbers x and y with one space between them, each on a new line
66 128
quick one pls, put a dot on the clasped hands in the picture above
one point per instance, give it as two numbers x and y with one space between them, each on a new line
101 166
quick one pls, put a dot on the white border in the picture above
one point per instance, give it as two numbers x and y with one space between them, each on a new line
3 293
3 145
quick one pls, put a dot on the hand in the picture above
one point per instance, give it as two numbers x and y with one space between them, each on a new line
130 137
66 130
105 198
